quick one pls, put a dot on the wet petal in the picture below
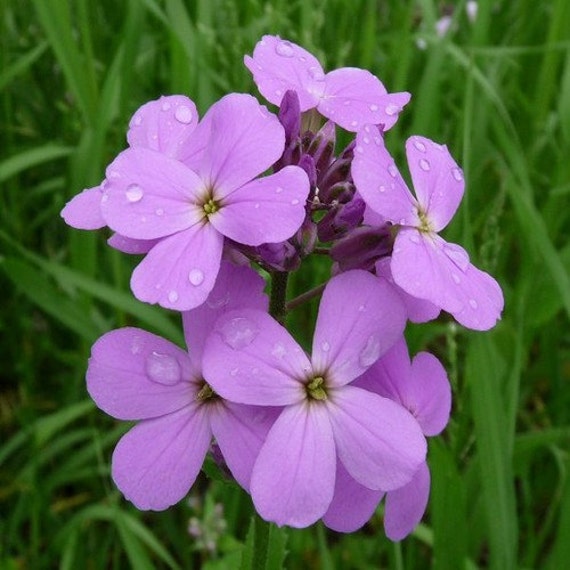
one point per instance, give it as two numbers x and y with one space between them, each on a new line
132 246
179 272
378 441
156 462
267 210
251 359
83 211
360 318
293 478
134 375
354 97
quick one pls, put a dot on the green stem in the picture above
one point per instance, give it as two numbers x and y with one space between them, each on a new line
278 296
260 544
304 297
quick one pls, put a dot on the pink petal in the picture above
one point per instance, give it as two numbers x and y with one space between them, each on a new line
132 246
83 211
360 318
293 478
438 181
267 210
278 66
378 441
354 97
179 272
163 124
353 504
156 462
134 375
150 195
240 431
379 181
251 359
405 507
245 140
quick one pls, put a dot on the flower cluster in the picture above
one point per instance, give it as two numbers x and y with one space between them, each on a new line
215 203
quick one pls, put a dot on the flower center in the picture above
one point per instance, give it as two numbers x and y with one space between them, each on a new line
210 207
316 389
425 224
206 393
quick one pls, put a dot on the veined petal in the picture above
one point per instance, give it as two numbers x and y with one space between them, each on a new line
236 287
83 211
352 504
245 140
354 97
240 431
179 272
163 125
438 181
133 375
279 65
157 461
405 506
379 181
267 210
251 359
378 441
293 478
360 318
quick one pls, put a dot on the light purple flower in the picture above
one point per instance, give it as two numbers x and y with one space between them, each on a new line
251 359
348 96
209 193
136 375
423 263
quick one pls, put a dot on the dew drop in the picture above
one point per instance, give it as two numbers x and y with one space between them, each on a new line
239 332
137 120
278 190
134 193
219 302
382 188
234 371
359 149
370 353
414 238
163 368
420 146
424 165
165 106
325 346
316 73
278 92
173 296
183 114
284 49
373 108
392 110
346 103
256 205
278 350
159 212
456 278
366 140
196 277
361 308
393 171
457 174
354 123
473 303
294 202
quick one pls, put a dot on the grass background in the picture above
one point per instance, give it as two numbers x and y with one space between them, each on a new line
496 91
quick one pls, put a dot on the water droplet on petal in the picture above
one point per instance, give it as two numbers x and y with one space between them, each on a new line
325 346
219 302
393 171
234 371
382 188
278 350
366 140
284 49
456 278
370 353
134 193
392 110
163 368
316 73
196 277
239 332
278 190
137 120
373 108
278 92
424 164
294 202
457 254
420 145
354 123
346 103
457 174
361 308
256 205
159 212
414 238
173 296
359 149
165 106
183 114
473 303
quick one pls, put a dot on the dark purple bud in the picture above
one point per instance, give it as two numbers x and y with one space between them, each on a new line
338 172
362 247
341 219
290 116
322 146
307 163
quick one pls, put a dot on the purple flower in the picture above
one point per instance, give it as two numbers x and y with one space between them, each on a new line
251 359
136 375
210 192
424 264
348 96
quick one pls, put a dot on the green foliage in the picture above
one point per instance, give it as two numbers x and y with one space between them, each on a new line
496 91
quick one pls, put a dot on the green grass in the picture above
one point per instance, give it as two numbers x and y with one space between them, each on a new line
496 91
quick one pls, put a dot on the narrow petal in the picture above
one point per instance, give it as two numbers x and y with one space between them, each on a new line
405 507
83 211
267 210
179 272
353 504
156 462
240 431
360 318
251 359
132 246
133 375
163 124
378 441
379 181
150 195
245 140
279 65
293 478
354 97
438 181
236 287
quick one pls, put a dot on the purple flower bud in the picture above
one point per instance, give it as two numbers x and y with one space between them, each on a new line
322 146
341 219
290 116
362 247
